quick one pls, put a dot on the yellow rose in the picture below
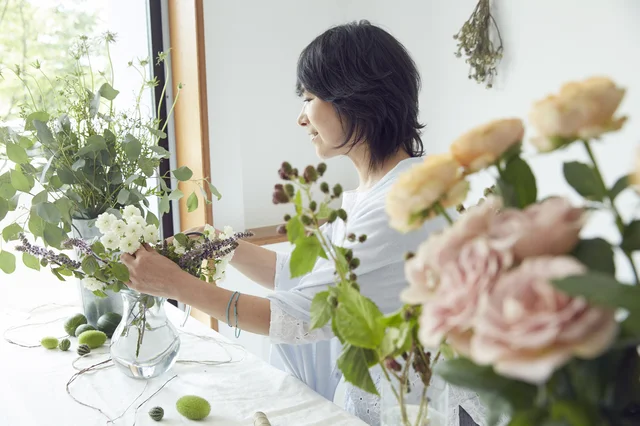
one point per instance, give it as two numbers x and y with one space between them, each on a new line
581 110
412 198
482 146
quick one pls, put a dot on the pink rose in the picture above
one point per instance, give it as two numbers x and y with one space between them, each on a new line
451 311
423 270
551 227
526 329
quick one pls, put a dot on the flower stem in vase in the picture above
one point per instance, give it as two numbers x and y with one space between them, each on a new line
441 210
616 213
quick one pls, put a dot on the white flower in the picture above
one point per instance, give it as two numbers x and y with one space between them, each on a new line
133 230
118 227
228 232
150 234
137 220
92 284
129 244
179 249
110 240
105 222
210 232
221 268
130 211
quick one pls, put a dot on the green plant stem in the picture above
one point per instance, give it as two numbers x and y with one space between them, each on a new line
612 206
395 393
444 213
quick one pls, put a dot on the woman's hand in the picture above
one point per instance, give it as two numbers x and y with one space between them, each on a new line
151 273
199 229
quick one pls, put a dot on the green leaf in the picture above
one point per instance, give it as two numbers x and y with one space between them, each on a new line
596 254
7 190
36 225
164 206
584 180
7 262
152 219
298 202
320 310
16 153
55 182
304 256
192 202
214 191
132 147
11 232
95 143
353 363
324 211
4 208
123 196
631 237
100 293
40 197
44 134
120 271
49 212
575 413
30 261
182 239
98 248
602 289
25 142
295 229
358 319
78 164
518 174
163 153
464 373
20 181
157 132
176 194
90 265
115 175
620 185
147 165
54 235
183 173
39 116
66 176
108 92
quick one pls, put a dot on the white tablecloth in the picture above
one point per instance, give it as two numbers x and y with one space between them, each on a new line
32 381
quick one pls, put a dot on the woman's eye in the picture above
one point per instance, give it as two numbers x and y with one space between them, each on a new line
307 100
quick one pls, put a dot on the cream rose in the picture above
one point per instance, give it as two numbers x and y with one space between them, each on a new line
451 311
483 146
551 227
526 329
437 179
581 110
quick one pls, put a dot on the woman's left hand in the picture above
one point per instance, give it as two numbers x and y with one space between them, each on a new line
151 273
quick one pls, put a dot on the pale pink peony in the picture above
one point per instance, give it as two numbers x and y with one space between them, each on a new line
551 227
423 270
526 329
451 311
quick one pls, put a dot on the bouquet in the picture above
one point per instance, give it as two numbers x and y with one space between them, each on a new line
83 156
522 309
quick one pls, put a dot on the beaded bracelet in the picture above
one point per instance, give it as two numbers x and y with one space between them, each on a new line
229 306
235 312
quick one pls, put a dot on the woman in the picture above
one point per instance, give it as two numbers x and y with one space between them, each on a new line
360 90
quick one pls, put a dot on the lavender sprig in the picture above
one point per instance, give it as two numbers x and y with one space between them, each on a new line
79 244
50 255
211 250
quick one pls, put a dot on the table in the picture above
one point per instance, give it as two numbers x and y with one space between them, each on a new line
32 381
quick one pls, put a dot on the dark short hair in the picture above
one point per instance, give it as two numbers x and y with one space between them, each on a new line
372 83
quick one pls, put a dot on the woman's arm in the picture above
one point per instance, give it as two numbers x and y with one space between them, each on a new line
255 262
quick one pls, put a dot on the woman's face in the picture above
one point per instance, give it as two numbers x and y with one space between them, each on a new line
323 125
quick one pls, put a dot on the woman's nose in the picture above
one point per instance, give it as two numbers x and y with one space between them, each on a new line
302 118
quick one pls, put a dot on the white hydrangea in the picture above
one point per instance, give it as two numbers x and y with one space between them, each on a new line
92 284
105 222
137 220
131 212
129 244
133 230
118 227
110 240
179 248
150 234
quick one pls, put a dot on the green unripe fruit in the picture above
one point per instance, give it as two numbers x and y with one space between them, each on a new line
306 220
83 350
92 338
82 328
313 206
193 407
49 342
332 216
362 238
156 413
324 187
322 167
64 345
108 323
337 190
74 322
342 214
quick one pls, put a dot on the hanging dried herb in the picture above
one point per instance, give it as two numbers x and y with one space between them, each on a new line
474 39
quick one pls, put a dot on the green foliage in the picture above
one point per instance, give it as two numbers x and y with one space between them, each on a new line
517 183
596 254
602 289
584 179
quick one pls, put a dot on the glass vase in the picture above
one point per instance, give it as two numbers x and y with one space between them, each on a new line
145 344
432 413
93 306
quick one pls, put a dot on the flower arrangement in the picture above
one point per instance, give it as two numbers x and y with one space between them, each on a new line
84 156
519 307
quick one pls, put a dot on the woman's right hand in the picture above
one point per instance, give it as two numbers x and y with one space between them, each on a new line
199 229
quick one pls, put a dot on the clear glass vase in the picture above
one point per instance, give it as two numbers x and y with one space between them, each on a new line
434 409
145 344
93 307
